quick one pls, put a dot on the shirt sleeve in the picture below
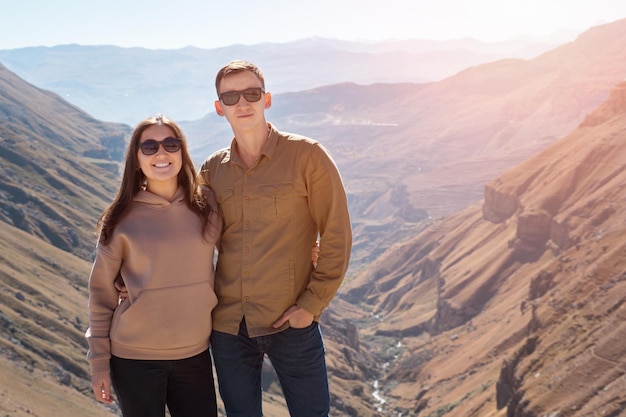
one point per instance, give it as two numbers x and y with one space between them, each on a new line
329 208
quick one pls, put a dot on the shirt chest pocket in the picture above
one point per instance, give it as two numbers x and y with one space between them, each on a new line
276 201
228 205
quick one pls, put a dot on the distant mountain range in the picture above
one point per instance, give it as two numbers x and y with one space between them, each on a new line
489 241
128 84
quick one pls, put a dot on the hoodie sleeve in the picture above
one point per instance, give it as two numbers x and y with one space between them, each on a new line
103 300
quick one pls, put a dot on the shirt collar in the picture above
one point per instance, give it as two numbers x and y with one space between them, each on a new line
272 140
268 149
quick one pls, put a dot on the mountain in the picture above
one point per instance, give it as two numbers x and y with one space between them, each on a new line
514 306
128 84
460 131
498 308
43 304
59 165
59 169
415 152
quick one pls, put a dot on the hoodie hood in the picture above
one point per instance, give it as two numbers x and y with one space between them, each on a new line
150 199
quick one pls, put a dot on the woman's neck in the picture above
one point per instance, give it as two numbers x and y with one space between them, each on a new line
165 189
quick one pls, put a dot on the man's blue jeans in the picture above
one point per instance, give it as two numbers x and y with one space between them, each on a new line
298 359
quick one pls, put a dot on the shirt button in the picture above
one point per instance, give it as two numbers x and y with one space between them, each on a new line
246 274
246 299
246 249
247 225
246 198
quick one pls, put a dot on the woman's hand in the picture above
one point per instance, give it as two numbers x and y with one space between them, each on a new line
121 287
315 253
101 385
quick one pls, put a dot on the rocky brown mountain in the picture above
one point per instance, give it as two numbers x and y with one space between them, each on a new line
515 306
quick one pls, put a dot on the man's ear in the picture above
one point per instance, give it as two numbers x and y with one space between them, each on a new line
218 108
268 100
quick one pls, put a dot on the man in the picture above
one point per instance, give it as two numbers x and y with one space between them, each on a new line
276 192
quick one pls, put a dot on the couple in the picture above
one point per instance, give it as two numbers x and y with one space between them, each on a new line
262 202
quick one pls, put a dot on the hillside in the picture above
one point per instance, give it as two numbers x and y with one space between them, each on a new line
43 305
515 306
59 166
59 169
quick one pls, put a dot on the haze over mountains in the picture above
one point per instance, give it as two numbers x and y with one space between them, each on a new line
127 84
496 195
516 306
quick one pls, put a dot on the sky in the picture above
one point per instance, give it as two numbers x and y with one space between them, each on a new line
160 24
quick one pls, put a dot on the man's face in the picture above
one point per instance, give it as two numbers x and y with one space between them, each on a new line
245 112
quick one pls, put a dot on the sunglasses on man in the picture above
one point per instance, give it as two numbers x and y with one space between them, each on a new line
151 146
252 95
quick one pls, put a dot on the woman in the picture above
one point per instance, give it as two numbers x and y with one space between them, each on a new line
159 236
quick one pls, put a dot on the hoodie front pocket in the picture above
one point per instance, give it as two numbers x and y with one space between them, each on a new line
166 318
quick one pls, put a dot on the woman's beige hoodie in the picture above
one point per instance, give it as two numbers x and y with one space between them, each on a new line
167 266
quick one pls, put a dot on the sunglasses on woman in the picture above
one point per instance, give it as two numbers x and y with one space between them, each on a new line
151 146
252 95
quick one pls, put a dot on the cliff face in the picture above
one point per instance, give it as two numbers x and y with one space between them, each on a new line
536 201
499 206
516 306
615 105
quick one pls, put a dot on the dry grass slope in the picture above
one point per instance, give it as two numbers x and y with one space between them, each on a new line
43 318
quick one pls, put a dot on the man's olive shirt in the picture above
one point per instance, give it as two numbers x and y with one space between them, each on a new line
273 213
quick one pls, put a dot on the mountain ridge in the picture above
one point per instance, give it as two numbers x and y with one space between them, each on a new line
521 286
179 82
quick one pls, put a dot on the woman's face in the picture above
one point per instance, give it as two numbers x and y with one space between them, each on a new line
162 167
